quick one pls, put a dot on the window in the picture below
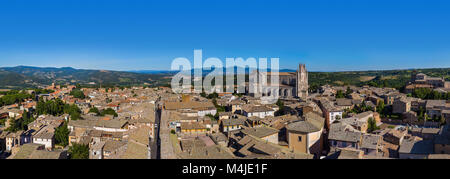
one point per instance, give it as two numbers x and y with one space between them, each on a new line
299 138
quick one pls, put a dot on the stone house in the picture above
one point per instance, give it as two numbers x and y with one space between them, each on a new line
306 136
344 136
371 144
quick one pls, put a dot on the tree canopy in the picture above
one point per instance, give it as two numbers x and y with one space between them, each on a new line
340 94
427 93
76 93
79 151
14 97
57 107
62 135
109 111
372 125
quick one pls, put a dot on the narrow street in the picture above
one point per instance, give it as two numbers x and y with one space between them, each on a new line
166 147
155 144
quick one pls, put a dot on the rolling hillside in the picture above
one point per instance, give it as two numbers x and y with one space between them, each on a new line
385 78
25 76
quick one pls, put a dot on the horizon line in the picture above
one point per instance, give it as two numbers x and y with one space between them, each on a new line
137 71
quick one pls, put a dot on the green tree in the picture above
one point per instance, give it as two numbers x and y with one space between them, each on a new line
62 135
27 118
348 91
340 94
13 97
372 125
219 108
109 111
94 110
14 125
314 87
280 103
380 107
79 151
280 110
213 117
73 111
213 96
76 93
75 116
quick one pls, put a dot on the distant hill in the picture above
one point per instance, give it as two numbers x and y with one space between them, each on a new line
154 71
205 72
26 76
380 78
383 78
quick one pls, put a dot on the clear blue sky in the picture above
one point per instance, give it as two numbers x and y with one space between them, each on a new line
327 35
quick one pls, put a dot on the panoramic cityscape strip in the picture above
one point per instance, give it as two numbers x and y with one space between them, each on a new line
224 88
110 121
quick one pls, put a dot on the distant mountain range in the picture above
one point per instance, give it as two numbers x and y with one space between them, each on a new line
226 70
26 76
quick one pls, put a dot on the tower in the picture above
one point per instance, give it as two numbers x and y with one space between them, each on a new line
302 82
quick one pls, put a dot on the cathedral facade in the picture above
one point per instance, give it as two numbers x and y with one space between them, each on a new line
291 84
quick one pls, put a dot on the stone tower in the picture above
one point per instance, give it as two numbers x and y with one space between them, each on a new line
302 82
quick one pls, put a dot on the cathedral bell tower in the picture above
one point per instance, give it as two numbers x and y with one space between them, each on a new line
302 82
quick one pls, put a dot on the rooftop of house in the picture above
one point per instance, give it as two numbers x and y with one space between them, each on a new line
197 149
233 122
328 106
112 145
370 141
26 150
345 153
98 121
433 131
413 145
219 137
189 105
254 148
357 101
43 154
354 122
393 133
256 108
443 136
111 123
135 151
364 114
435 103
260 132
279 122
344 102
141 135
34 151
99 133
192 125
370 104
14 134
343 132
312 123
438 156
44 134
